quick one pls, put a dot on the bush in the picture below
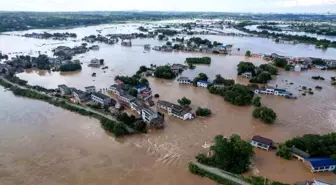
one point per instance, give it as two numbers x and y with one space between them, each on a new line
203 112
287 67
269 68
238 95
267 115
256 101
284 152
248 53
246 67
156 96
164 72
184 101
230 154
70 67
280 62
202 60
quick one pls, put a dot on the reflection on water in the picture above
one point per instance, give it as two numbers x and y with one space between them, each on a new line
42 144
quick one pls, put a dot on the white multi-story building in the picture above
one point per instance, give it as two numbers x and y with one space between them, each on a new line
175 110
184 80
90 89
148 115
202 83
101 98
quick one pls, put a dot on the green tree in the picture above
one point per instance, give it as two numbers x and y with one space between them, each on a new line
263 77
269 68
231 154
287 67
164 72
248 53
201 76
280 62
267 115
238 95
246 67
169 43
70 67
256 101
284 152
184 101
203 111
220 80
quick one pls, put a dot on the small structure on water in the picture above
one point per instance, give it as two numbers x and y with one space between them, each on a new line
299 154
261 142
202 83
321 164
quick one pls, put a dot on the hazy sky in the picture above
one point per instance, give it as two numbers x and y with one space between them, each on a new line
172 5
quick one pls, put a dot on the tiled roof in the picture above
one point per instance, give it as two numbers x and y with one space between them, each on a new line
299 152
321 162
100 95
263 140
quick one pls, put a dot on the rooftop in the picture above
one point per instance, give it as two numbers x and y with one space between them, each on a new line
77 91
127 96
90 87
321 162
203 82
182 78
63 86
299 152
140 86
263 140
101 96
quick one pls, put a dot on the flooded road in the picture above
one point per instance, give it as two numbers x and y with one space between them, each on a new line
44 145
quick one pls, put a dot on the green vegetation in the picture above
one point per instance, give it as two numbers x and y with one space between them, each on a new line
269 68
201 60
287 67
131 81
238 95
166 32
280 62
262 77
70 67
267 27
201 76
203 112
230 154
141 28
248 53
164 72
267 115
315 145
184 101
220 80
111 126
203 173
256 101
132 122
244 67
284 152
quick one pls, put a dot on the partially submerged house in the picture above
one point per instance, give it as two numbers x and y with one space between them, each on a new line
299 154
184 80
80 96
101 98
202 83
90 89
321 164
183 113
65 90
261 142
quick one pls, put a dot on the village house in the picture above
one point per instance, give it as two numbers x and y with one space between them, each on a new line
202 83
137 107
148 115
94 63
321 164
247 75
299 154
175 110
218 86
65 90
141 88
90 89
319 182
157 48
80 96
127 43
184 80
101 98
147 46
331 63
94 47
116 89
126 98
261 142
274 91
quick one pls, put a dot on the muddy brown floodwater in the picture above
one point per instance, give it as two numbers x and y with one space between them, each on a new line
45 145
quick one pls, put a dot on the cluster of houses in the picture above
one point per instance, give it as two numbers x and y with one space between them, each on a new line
324 164
274 91
178 111
222 49
137 104
187 81
67 52
89 94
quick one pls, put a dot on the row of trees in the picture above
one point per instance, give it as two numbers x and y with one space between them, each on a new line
261 74
132 81
200 60
203 112
70 67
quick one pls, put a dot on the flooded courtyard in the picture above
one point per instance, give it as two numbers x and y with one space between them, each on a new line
42 144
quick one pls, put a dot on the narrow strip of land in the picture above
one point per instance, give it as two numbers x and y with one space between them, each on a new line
221 173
